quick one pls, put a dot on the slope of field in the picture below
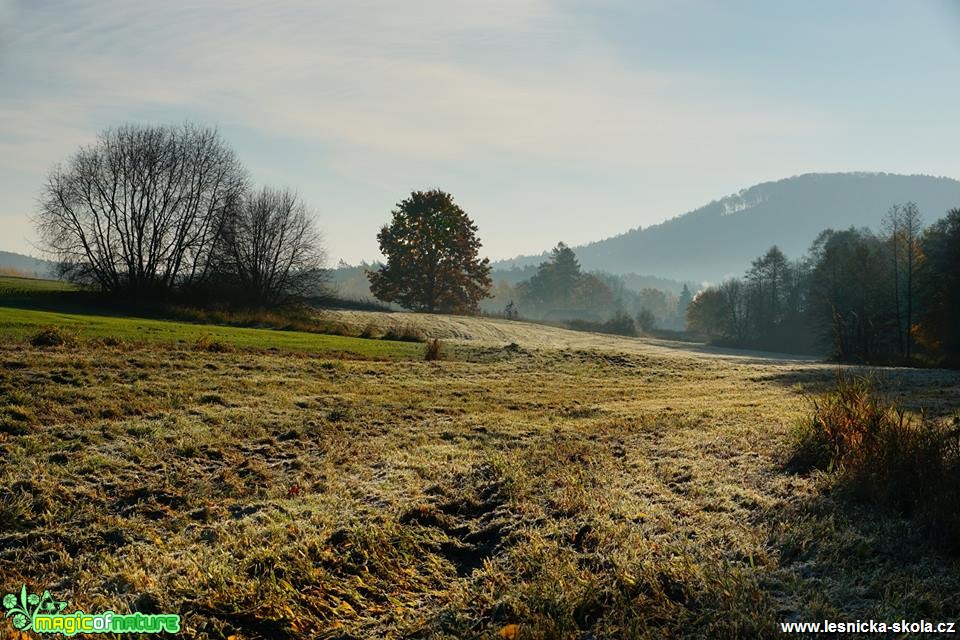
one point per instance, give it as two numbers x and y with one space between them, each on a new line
512 491
495 332
12 285
24 323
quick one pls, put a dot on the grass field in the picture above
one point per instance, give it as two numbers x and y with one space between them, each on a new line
11 285
629 489
22 323
19 320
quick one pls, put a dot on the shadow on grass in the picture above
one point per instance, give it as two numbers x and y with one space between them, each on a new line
935 391
877 536
839 559
289 317
66 301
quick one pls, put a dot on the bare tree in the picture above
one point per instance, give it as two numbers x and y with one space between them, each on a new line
768 278
139 210
912 228
903 226
736 304
272 249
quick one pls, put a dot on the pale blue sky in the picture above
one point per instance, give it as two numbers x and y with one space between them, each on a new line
547 119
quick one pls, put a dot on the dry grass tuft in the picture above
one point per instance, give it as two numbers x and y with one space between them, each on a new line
207 343
371 331
53 336
405 333
883 455
434 350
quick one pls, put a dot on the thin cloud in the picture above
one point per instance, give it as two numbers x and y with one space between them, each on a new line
381 80
511 102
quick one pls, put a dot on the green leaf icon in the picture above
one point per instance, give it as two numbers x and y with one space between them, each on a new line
47 603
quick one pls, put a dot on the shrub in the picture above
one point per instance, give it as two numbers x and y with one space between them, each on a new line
53 337
646 321
433 350
406 333
289 318
205 342
583 325
112 341
882 455
372 331
620 324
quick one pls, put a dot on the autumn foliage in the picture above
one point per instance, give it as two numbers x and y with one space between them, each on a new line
433 261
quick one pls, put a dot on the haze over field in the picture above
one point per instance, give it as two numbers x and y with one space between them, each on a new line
720 239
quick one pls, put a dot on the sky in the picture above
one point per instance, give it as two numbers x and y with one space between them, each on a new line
548 120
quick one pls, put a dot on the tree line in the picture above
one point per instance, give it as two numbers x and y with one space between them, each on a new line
433 264
149 211
886 297
559 290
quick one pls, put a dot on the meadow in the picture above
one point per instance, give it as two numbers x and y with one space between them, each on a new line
29 311
535 483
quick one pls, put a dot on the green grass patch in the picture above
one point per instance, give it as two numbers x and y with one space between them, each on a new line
24 324
12 285
42 311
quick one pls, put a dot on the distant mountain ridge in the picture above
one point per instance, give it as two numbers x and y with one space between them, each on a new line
27 265
721 238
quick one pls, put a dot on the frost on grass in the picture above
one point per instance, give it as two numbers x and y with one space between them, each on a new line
549 492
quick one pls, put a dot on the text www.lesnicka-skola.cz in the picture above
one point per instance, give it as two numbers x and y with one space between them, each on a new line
868 626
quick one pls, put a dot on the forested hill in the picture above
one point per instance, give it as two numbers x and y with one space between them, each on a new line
721 238
26 265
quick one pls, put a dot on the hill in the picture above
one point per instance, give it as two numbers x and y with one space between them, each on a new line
25 265
721 238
